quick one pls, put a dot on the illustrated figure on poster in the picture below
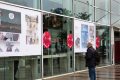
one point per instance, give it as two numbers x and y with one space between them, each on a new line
77 42
84 35
9 42
32 28
92 34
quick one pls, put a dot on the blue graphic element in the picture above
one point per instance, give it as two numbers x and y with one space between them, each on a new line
84 35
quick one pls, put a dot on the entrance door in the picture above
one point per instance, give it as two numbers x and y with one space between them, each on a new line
117 52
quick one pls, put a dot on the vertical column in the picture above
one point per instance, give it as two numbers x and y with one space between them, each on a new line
111 39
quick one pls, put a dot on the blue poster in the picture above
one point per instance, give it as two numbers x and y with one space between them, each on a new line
84 35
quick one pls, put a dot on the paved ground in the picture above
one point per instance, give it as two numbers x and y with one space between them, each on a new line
106 73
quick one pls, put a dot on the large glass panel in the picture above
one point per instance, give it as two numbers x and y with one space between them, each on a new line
91 2
79 61
83 10
115 20
58 6
20 68
58 58
29 68
103 35
28 3
115 13
115 6
102 17
103 4
6 69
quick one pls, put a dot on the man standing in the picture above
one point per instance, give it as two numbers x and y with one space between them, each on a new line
90 61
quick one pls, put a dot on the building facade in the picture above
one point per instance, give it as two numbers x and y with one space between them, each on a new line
30 20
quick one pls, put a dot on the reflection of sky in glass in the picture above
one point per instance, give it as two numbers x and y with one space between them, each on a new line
29 3
50 4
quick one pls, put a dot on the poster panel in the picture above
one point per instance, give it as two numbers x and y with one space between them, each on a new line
10 30
77 36
31 32
20 31
84 32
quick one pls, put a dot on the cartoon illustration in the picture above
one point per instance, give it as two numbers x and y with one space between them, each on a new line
32 28
91 34
9 42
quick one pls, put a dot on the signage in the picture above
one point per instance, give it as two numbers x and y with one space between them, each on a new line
20 31
46 39
84 32
70 40
97 42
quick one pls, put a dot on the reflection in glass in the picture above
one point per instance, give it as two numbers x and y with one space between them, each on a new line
102 17
28 3
104 49
103 4
58 58
91 2
58 6
84 11
17 68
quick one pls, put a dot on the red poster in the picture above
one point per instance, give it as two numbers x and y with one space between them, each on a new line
46 39
70 40
97 42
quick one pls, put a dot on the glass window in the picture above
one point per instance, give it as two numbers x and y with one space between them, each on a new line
58 6
91 2
103 33
83 10
102 17
6 69
79 61
115 13
28 3
115 6
115 20
58 58
103 4
16 68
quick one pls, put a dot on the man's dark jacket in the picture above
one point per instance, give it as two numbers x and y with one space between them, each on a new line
90 57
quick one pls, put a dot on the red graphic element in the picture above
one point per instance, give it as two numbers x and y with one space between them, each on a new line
70 40
46 39
97 42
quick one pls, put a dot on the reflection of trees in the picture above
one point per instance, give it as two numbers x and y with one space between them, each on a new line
56 23
52 21
105 43
83 15
62 11
62 36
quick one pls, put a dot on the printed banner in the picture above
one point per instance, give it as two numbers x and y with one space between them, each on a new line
20 31
84 32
